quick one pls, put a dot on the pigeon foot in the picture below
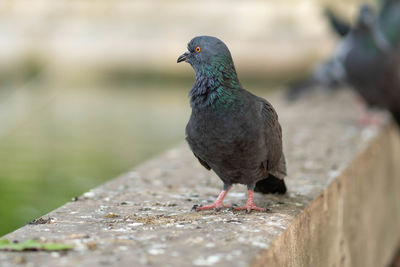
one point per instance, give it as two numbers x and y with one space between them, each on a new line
214 206
367 118
218 204
371 120
250 204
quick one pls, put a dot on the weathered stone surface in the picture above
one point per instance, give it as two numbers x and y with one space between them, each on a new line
355 220
342 208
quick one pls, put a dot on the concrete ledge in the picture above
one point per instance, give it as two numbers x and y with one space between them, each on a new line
354 221
342 208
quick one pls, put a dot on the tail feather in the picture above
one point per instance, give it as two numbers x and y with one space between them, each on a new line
271 185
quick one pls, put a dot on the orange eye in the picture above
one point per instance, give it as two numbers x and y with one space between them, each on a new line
198 49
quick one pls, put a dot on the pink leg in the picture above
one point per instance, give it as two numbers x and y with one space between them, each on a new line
250 204
218 204
366 118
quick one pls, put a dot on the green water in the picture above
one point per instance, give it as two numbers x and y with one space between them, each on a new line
58 142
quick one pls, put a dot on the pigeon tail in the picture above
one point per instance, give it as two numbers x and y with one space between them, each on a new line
271 185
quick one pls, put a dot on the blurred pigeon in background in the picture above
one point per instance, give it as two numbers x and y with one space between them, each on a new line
373 61
232 131
367 58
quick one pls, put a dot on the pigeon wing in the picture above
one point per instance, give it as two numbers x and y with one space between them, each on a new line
275 161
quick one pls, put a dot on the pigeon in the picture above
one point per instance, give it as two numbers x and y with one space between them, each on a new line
367 59
372 63
231 131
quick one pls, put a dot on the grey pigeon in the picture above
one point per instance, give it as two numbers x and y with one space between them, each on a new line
373 61
232 131
367 58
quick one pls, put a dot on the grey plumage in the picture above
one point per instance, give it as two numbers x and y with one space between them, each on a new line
232 131
373 62
367 58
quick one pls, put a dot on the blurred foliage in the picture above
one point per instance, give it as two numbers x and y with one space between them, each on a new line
29 66
32 245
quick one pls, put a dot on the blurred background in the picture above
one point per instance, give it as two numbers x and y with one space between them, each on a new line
89 89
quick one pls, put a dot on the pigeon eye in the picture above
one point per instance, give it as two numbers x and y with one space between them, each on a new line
198 49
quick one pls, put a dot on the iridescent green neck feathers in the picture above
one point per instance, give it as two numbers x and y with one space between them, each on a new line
216 85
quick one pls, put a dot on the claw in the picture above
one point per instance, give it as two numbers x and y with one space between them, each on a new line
214 206
250 205
217 205
249 208
234 206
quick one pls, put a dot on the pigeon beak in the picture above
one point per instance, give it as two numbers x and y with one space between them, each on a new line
182 57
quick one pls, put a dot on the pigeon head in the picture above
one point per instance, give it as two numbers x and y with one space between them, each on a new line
216 79
367 29
207 51
366 18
